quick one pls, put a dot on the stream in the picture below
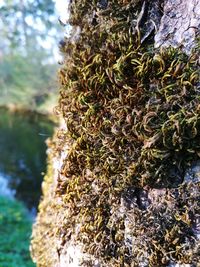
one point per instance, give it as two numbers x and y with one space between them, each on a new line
23 155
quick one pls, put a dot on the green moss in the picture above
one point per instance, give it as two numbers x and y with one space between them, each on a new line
132 115
15 231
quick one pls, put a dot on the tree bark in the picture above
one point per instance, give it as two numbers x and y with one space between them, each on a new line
141 225
180 24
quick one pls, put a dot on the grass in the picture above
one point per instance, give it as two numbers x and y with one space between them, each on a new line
15 231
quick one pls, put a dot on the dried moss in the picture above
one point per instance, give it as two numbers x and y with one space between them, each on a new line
133 121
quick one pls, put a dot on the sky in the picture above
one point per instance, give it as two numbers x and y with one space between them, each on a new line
61 7
63 14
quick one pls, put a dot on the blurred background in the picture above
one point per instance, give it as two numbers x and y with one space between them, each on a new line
29 35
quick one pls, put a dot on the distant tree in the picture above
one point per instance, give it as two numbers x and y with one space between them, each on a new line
25 20
28 32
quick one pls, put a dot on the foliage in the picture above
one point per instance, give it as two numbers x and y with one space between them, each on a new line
27 64
15 230
25 21
133 123
26 81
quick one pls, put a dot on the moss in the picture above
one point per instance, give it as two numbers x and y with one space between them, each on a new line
132 116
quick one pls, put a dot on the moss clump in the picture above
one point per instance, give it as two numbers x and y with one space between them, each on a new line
133 121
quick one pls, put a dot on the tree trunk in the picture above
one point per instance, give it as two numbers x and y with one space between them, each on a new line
23 23
122 187
180 25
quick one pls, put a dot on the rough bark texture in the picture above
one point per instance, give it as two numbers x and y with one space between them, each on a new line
180 24
123 182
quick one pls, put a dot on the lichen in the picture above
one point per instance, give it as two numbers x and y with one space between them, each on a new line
133 126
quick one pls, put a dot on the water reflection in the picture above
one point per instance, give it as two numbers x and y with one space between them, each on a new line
23 154
4 186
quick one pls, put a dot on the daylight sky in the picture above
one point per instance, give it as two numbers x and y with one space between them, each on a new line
61 7
62 13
